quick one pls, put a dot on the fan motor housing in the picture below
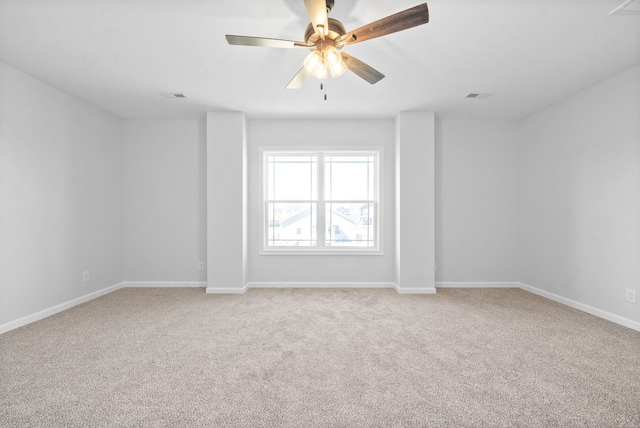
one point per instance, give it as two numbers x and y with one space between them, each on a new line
336 29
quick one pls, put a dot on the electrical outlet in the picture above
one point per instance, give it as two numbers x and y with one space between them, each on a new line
201 266
85 276
631 296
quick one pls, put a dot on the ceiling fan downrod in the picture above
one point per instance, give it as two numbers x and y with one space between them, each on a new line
330 4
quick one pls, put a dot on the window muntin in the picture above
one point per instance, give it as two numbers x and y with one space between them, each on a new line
292 177
291 224
358 171
348 226
336 189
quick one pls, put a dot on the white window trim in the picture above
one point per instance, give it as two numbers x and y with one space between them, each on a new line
320 251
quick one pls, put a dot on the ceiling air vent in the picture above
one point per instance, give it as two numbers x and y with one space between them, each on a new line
479 95
172 95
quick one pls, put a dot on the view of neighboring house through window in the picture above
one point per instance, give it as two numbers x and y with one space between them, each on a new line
337 190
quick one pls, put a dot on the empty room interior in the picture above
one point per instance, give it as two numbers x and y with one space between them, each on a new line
319 213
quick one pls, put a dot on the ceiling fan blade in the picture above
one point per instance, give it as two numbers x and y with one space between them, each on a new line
404 20
263 42
317 10
361 69
300 77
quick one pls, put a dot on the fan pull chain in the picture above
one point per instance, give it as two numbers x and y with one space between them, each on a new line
323 86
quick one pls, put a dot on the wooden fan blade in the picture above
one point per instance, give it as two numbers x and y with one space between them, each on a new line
263 42
317 10
361 69
404 20
300 77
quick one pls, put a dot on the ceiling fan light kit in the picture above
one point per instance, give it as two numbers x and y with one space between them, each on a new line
325 37
327 58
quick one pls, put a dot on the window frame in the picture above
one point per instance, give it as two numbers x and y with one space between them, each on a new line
377 249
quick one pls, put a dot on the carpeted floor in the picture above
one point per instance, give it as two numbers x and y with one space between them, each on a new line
320 358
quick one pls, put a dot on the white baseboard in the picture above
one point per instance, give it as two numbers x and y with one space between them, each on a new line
477 285
342 285
226 290
401 290
582 307
320 285
12 325
415 290
164 284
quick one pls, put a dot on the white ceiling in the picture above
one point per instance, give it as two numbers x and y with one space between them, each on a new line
120 54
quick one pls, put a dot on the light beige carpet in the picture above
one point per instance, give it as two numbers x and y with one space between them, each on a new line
325 358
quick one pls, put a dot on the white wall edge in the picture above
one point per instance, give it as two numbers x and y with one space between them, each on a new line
226 290
338 285
477 285
626 322
12 325
320 285
416 290
164 284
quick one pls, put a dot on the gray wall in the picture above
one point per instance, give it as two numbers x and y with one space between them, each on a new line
164 200
580 196
313 133
407 141
60 197
550 201
476 201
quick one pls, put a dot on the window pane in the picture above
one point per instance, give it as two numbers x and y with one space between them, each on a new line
291 225
350 225
292 178
349 177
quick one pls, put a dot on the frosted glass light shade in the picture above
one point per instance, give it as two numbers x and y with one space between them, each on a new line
327 58
314 63
333 61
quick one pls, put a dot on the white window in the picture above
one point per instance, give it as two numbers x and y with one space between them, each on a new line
321 201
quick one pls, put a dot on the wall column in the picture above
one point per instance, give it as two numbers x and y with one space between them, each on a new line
226 202
415 203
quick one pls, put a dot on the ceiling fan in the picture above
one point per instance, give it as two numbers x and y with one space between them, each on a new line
325 37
